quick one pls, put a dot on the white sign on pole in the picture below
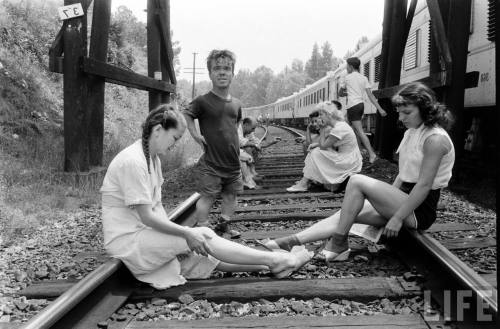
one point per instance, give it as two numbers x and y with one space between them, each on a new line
70 11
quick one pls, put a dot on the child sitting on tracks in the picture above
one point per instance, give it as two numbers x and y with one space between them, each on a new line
426 158
138 231
335 156
250 151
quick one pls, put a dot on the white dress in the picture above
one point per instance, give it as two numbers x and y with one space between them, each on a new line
150 255
334 165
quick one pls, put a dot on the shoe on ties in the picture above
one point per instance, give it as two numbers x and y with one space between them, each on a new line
297 188
332 256
302 256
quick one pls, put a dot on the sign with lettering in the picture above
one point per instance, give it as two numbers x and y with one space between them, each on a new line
70 11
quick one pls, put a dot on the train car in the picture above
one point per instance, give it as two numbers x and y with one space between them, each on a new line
309 96
479 102
284 110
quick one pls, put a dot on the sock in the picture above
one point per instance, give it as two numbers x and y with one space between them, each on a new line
340 242
287 242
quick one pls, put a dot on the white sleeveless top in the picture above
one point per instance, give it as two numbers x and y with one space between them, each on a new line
411 155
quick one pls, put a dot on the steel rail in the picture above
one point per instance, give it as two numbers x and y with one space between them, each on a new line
70 299
461 271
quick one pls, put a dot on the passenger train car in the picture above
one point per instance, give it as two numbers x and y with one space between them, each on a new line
479 101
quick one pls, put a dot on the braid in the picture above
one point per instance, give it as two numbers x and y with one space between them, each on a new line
145 147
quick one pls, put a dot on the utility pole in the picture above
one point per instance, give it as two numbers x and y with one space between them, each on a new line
196 70
194 74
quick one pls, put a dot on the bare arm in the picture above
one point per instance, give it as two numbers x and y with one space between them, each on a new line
158 220
372 99
326 140
397 182
194 132
435 147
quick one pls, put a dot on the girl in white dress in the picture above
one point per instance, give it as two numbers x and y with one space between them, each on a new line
138 231
336 156
426 158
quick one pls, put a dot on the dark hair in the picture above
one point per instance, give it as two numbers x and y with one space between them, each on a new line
247 121
214 54
354 62
431 111
337 104
167 116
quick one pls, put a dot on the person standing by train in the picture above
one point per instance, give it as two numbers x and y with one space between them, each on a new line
356 85
219 115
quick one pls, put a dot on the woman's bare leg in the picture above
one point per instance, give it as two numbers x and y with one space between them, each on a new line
235 253
385 200
367 201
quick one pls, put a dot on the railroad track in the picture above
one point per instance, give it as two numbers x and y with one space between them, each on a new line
414 266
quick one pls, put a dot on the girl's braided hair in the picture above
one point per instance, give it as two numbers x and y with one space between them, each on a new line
167 116
431 111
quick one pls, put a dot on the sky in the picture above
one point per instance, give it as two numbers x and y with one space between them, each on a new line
264 32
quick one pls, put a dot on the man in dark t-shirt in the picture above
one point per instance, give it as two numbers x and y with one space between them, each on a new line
218 115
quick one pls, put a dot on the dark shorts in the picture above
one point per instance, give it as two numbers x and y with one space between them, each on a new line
355 113
211 182
425 214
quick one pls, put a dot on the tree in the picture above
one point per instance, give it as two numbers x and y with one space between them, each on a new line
328 62
359 44
298 65
313 64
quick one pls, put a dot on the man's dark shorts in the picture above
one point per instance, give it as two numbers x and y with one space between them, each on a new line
212 182
356 112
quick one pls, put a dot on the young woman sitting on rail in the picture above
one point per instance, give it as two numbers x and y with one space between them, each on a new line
138 231
335 156
426 158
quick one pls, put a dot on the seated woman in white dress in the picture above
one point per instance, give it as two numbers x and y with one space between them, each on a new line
336 156
426 158
138 231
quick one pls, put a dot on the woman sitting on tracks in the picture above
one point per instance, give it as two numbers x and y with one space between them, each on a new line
137 230
426 158
336 156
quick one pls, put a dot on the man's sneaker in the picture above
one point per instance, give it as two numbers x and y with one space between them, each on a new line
221 227
297 188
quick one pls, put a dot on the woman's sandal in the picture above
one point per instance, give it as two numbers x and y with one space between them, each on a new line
262 243
332 256
303 256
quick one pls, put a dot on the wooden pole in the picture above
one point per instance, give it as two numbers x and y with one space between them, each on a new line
497 95
154 56
96 85
449 52
458 26
393 44
76 119
165 50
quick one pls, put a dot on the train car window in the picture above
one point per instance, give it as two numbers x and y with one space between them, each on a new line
366 70
323 93
492 22
378 63
430 40
328 86
410 59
